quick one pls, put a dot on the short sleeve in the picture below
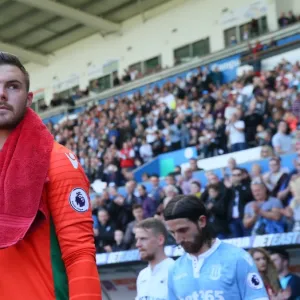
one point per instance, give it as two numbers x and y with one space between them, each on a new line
248 210
240 125
275 141
276 203
249 282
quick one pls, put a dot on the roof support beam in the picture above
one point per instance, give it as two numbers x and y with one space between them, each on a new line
25 54
65 11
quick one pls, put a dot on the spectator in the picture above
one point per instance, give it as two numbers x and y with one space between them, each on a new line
157 192
171 180
130 198
292 211
296 107
145 151
291 18
282 141
149 204
263 215
288 280
119 244
262 136
194 165
266 151
127 156
231 165
175 135
186 181
240 196
252 120
217 77
116 80
221 139
256 172
196 189
170 191
138 213
119 211
126 78
99 201
246 33
213 179
236 132
217 208
283 21
266 270
276 178
254 28
231 109
104 236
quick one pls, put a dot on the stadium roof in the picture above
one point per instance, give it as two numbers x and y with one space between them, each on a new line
32 29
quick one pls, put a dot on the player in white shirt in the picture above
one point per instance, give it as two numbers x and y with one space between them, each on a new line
152 282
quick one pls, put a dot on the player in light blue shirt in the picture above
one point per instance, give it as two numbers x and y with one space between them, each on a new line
210 269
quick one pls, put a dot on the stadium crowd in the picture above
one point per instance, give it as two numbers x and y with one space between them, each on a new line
259 108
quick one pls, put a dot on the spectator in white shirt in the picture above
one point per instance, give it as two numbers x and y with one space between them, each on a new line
236 133
152 283
231 109
150 132
146 151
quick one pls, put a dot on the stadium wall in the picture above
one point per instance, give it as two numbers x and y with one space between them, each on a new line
172 25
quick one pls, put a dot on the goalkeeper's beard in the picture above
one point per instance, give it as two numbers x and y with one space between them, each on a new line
202 237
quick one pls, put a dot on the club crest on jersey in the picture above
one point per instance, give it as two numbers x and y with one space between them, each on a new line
254 281
79 200
215 272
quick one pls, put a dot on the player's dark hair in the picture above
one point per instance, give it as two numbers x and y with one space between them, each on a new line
185 207
155 225
12 60
189 207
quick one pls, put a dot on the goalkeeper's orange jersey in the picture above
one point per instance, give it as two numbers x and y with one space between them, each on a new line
57 259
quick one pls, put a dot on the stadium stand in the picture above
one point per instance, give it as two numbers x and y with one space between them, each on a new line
257 109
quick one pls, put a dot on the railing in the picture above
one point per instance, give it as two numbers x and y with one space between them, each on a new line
286 240
272 51
194 63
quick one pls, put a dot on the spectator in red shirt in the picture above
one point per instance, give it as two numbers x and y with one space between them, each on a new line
127 156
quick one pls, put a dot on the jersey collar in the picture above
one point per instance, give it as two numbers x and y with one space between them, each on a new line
158 266
207 253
